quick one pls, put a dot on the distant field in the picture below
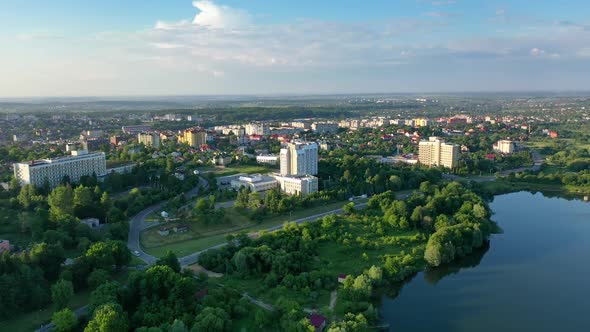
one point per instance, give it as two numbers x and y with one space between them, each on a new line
204 236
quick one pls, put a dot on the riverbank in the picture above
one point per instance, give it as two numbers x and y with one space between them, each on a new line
502 186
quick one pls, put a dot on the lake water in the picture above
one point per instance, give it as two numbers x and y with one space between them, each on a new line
535 276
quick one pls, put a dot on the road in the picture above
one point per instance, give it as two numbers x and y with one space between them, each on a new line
137 224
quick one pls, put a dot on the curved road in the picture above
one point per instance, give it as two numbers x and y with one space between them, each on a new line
137 224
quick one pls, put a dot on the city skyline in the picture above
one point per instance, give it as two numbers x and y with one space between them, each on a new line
232 47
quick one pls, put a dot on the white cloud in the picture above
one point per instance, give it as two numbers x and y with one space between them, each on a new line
216 16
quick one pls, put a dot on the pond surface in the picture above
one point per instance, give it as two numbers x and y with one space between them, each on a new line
535 276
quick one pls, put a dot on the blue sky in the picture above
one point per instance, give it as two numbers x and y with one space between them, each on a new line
173 47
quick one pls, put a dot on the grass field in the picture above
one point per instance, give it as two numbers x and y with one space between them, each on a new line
230 170
202 237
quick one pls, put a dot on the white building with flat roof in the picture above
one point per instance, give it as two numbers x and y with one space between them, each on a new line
435 152
297 185
79 164
504 146
299 158
256 182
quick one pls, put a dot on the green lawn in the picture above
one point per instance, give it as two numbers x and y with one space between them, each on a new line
202 237
240 169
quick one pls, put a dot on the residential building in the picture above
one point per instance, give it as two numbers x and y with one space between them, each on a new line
297 185
195 137
258 128
167 136
324 127
421 122
299 158
149 139
504 146
435 152
132 130
94 144
79 164
116 139
267 159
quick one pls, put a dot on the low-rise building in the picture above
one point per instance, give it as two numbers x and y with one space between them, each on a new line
297 185
256 182
267 159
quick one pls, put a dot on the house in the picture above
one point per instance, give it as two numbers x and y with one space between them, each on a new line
4 246
164 231
318 321
341 278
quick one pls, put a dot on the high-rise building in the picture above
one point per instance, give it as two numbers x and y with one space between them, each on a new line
80 164
435 152
149 139
194 137
504 146
299 158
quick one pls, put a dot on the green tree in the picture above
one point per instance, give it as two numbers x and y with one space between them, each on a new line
61 201
107 318
97 278
103 294
212 320
170 260
64 320
61 293
348 208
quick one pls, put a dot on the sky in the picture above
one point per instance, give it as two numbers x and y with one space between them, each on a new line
263 47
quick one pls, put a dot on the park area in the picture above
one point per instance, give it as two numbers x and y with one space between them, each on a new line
200 236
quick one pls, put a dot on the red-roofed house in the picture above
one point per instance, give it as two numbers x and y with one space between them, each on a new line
318 321
341 278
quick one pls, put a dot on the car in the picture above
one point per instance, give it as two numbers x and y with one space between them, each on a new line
136 253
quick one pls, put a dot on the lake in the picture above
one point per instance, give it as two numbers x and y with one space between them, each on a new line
535 276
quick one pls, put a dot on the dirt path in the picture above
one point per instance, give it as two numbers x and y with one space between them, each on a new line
333 298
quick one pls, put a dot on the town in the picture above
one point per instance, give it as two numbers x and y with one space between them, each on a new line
192 190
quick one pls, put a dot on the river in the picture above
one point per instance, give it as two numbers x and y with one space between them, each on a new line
535 276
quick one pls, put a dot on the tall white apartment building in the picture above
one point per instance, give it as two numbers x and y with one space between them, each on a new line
504 146
299 158
435 152
79 164
257 128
